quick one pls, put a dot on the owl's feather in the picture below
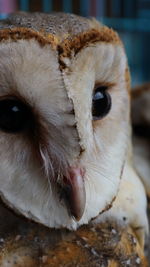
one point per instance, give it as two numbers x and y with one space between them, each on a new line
28 244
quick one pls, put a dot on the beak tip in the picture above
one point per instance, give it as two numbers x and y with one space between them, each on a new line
77 216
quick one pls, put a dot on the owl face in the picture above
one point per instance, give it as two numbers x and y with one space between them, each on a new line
64 125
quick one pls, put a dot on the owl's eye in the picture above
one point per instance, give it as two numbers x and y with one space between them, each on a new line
101 103
15 116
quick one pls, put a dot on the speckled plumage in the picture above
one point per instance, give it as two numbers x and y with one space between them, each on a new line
26 244
59 24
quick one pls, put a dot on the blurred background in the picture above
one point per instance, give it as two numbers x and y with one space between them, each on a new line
131 18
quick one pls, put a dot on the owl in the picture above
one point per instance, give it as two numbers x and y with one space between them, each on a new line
65 136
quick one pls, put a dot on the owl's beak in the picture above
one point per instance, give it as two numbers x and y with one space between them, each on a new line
74 189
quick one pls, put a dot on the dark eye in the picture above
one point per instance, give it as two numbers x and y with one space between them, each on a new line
15 116
101 103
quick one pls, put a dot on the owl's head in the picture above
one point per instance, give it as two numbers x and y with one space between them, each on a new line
64 117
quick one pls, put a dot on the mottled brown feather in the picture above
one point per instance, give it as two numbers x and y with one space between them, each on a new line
28 244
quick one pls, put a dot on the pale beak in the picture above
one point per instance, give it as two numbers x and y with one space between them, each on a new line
74 189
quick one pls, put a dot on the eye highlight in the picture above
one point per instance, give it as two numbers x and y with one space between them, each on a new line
15 116
101 103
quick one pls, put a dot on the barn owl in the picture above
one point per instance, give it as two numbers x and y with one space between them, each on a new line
65 149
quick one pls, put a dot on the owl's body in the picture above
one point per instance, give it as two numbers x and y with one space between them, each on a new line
66 168
27 244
